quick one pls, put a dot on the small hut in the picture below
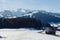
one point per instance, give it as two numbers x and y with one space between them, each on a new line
51 30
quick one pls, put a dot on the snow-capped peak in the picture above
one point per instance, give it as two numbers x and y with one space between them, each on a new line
35 12
22 10
30 14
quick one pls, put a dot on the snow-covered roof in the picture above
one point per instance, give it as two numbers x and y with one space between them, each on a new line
55 24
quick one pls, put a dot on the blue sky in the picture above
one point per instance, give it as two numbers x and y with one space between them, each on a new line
47 5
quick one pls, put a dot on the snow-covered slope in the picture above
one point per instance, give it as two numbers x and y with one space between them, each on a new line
1 15
8 13
30 14
43 16
24 34
11 13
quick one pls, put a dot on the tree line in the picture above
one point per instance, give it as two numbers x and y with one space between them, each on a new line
20 22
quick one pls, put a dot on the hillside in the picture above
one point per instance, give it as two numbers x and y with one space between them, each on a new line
43 16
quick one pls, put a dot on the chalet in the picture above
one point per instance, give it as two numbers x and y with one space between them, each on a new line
51 30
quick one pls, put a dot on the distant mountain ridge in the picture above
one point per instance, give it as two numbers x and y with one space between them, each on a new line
44 16
38 14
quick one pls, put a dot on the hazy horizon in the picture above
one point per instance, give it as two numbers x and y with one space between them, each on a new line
47 5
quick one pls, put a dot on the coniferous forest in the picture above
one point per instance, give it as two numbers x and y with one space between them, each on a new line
21 22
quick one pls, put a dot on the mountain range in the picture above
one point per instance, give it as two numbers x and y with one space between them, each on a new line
42 15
